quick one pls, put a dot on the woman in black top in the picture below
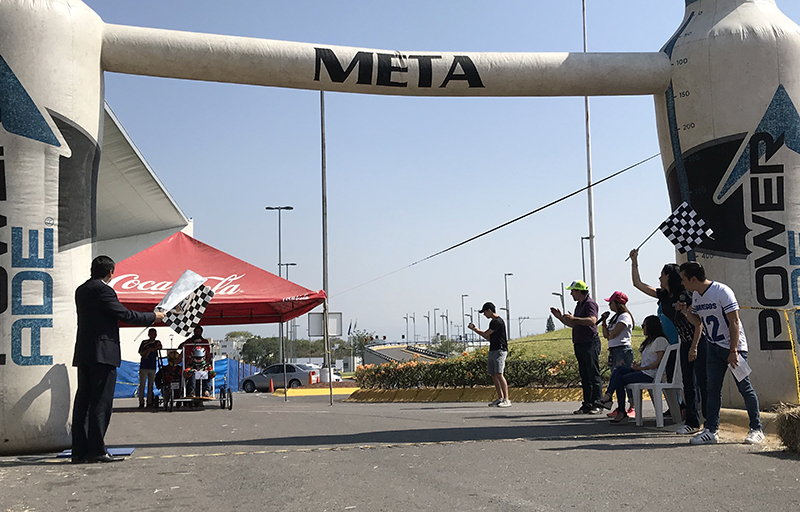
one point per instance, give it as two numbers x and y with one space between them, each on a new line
677 326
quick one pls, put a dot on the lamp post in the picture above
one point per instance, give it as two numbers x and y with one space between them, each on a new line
583 258
590 189
280 326
428 318
414 323
462 321
290 328
520 319
406 319
561 295
508 312
444 321
435 332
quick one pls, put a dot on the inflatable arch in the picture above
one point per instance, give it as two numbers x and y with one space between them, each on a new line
725 87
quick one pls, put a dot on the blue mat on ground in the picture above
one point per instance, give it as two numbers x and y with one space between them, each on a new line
125 451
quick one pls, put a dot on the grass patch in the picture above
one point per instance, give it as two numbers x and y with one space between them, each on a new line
558 345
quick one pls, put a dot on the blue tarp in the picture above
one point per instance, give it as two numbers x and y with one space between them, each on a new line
128 376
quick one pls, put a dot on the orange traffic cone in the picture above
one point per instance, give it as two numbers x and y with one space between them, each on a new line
310 378
271 386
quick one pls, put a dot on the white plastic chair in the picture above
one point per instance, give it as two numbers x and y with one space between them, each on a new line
670 390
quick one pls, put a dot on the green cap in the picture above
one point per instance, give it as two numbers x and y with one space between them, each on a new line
578 285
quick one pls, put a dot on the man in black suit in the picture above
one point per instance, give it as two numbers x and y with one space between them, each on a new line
97 356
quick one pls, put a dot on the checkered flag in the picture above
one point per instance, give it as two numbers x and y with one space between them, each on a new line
685 229
188 313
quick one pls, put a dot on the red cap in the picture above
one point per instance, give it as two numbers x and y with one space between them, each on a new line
618 297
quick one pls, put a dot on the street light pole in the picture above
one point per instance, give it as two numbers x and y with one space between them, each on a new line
462 321
435 332
290 328
589 190
414 323
508 312
280 325
561 295
428 318
520 323
583 258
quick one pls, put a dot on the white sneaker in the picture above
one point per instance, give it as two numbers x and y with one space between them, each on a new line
505 403
495 403
686 430
754 437
705 437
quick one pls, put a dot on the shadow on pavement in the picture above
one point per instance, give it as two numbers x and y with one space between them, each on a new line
430 435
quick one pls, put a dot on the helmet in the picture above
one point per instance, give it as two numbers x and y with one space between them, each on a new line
199 352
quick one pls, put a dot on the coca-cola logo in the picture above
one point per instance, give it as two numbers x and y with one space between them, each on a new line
295 298
132 283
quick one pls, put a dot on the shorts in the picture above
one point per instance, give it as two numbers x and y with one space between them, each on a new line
497 361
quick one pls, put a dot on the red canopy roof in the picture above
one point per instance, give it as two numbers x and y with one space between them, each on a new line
243 293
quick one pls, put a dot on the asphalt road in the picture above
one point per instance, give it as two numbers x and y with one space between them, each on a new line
306 455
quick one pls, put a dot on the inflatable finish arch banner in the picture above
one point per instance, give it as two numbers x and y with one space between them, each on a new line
726 87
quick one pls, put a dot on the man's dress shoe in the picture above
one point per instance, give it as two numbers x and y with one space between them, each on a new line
106 457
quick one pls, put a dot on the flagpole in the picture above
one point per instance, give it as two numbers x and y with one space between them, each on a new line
645 241
325 245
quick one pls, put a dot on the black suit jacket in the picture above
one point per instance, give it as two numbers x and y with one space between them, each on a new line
99 314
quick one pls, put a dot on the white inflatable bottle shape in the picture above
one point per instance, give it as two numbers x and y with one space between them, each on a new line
51 87
729 133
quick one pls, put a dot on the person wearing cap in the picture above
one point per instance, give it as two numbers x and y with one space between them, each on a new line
586 344
618 332
498 350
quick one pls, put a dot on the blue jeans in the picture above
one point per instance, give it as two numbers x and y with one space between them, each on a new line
716 368
620 356
694 382
621 377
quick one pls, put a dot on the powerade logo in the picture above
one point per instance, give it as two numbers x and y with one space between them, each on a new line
29 284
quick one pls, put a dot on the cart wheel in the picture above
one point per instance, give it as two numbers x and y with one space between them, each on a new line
170 404
230 400
222 397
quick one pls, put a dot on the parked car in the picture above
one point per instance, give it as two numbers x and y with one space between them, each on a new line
296 374
323 375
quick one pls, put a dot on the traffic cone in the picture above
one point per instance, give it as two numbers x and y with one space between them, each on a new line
271 386
310 378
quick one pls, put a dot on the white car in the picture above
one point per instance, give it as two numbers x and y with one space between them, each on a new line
323 375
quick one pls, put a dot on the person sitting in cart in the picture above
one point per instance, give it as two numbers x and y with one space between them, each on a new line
170 373
198 370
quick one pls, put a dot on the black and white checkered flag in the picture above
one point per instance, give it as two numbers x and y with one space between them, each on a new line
185 317
685 229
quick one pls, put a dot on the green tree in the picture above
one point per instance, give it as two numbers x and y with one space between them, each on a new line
551 325
261 352
359 339
239 336
445 345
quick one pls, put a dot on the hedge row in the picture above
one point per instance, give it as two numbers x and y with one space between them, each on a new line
469 370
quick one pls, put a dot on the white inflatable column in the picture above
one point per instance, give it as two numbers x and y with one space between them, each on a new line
730 136
50 109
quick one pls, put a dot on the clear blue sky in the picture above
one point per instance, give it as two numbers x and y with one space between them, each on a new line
408 177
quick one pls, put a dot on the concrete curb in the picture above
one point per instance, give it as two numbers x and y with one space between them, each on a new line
464 395
315 392
738 419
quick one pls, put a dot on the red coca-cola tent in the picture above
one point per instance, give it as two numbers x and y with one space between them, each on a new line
243 293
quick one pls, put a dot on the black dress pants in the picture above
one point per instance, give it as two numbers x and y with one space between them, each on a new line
91 412
588 356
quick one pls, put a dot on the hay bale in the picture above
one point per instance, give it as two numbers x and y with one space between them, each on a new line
788 423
